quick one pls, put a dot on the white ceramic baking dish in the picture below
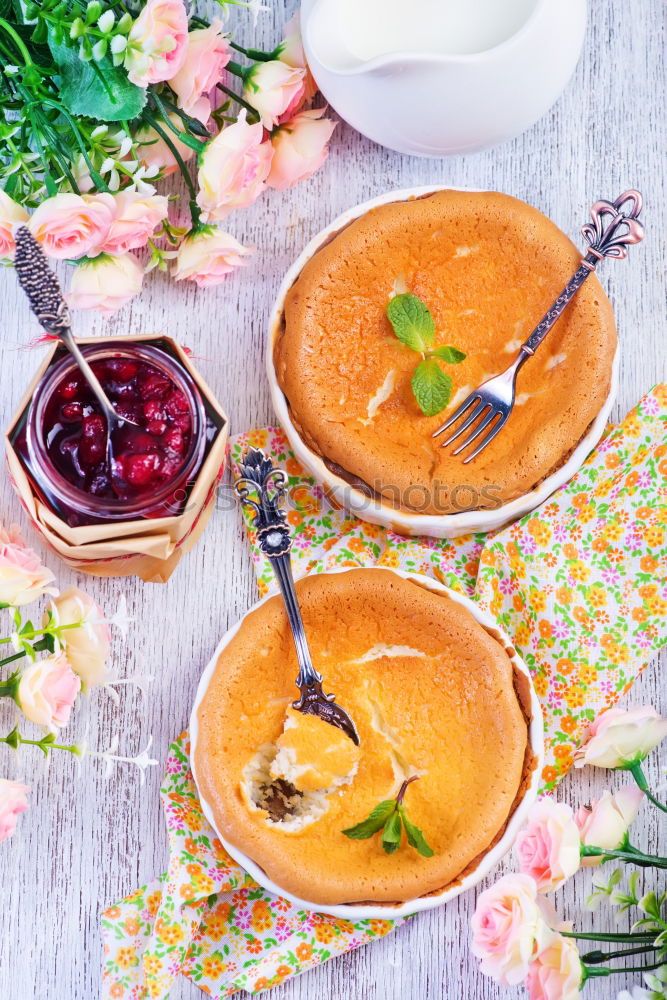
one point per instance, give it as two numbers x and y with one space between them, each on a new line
342 494
354 911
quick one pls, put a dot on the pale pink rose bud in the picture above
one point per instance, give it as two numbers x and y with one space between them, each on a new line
13 801
605 823
23 579
233 169
509 929
299 148
137 217
207 55
275 89
47 690
620 738
105 283
87 647
69 226
155 152
557 972
206 257
549 847
291 52
11 215
157 42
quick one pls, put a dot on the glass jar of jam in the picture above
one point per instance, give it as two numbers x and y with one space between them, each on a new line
65 436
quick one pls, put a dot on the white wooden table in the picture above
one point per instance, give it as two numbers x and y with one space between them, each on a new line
87 842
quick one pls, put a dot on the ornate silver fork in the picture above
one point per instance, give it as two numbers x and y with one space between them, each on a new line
610 232
268 483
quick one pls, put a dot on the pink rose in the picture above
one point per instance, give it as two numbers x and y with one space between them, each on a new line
605 823
275 89
291 52
23 579
299 148
206 257
11 214
207 55
105 283
508 928
70 226
620 738
549 847
157 43
137 216
13 801
87 647
556 973
233 169
47 690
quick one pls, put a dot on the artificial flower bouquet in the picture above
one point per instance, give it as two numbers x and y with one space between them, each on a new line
101 100
516 931
57 657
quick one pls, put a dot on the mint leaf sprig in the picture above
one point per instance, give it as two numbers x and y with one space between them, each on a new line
414 326
391 817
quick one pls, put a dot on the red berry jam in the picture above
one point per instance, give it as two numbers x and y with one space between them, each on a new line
154 457
145 457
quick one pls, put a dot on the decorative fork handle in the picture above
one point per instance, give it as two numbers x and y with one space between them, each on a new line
268 483
608 235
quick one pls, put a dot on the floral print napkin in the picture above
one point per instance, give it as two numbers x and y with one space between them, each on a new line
581 587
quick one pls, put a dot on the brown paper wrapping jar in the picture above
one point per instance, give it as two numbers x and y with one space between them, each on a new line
122 543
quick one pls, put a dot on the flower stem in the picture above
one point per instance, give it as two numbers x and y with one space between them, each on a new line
597 957
10 659
611 937
184 137
194 207
9 687
46 744
238 70
640 778
256 54
591 973
628 853
239 100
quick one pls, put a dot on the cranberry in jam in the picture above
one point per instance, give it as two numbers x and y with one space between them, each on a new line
145 457
154 457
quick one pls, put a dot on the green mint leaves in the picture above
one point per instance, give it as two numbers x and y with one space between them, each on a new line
414 326
391 817
431 386
411 321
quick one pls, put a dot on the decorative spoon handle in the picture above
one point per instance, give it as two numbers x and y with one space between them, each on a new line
46 299
259 475
608 235
275 541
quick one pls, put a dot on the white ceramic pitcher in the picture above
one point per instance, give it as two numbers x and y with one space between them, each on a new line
435 77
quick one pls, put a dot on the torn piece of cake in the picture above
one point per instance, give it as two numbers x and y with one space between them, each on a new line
314 755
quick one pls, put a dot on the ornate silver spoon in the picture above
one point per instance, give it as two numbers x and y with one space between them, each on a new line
610 233
259 475
46 299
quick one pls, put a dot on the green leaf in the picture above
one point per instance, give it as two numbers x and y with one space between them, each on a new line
102 91
373 822
451 355
415 837
431 386
411 321
391 837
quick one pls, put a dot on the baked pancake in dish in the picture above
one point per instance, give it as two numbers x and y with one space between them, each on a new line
487 266
432 693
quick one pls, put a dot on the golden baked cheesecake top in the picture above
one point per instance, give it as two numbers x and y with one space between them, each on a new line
488 267
432 694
